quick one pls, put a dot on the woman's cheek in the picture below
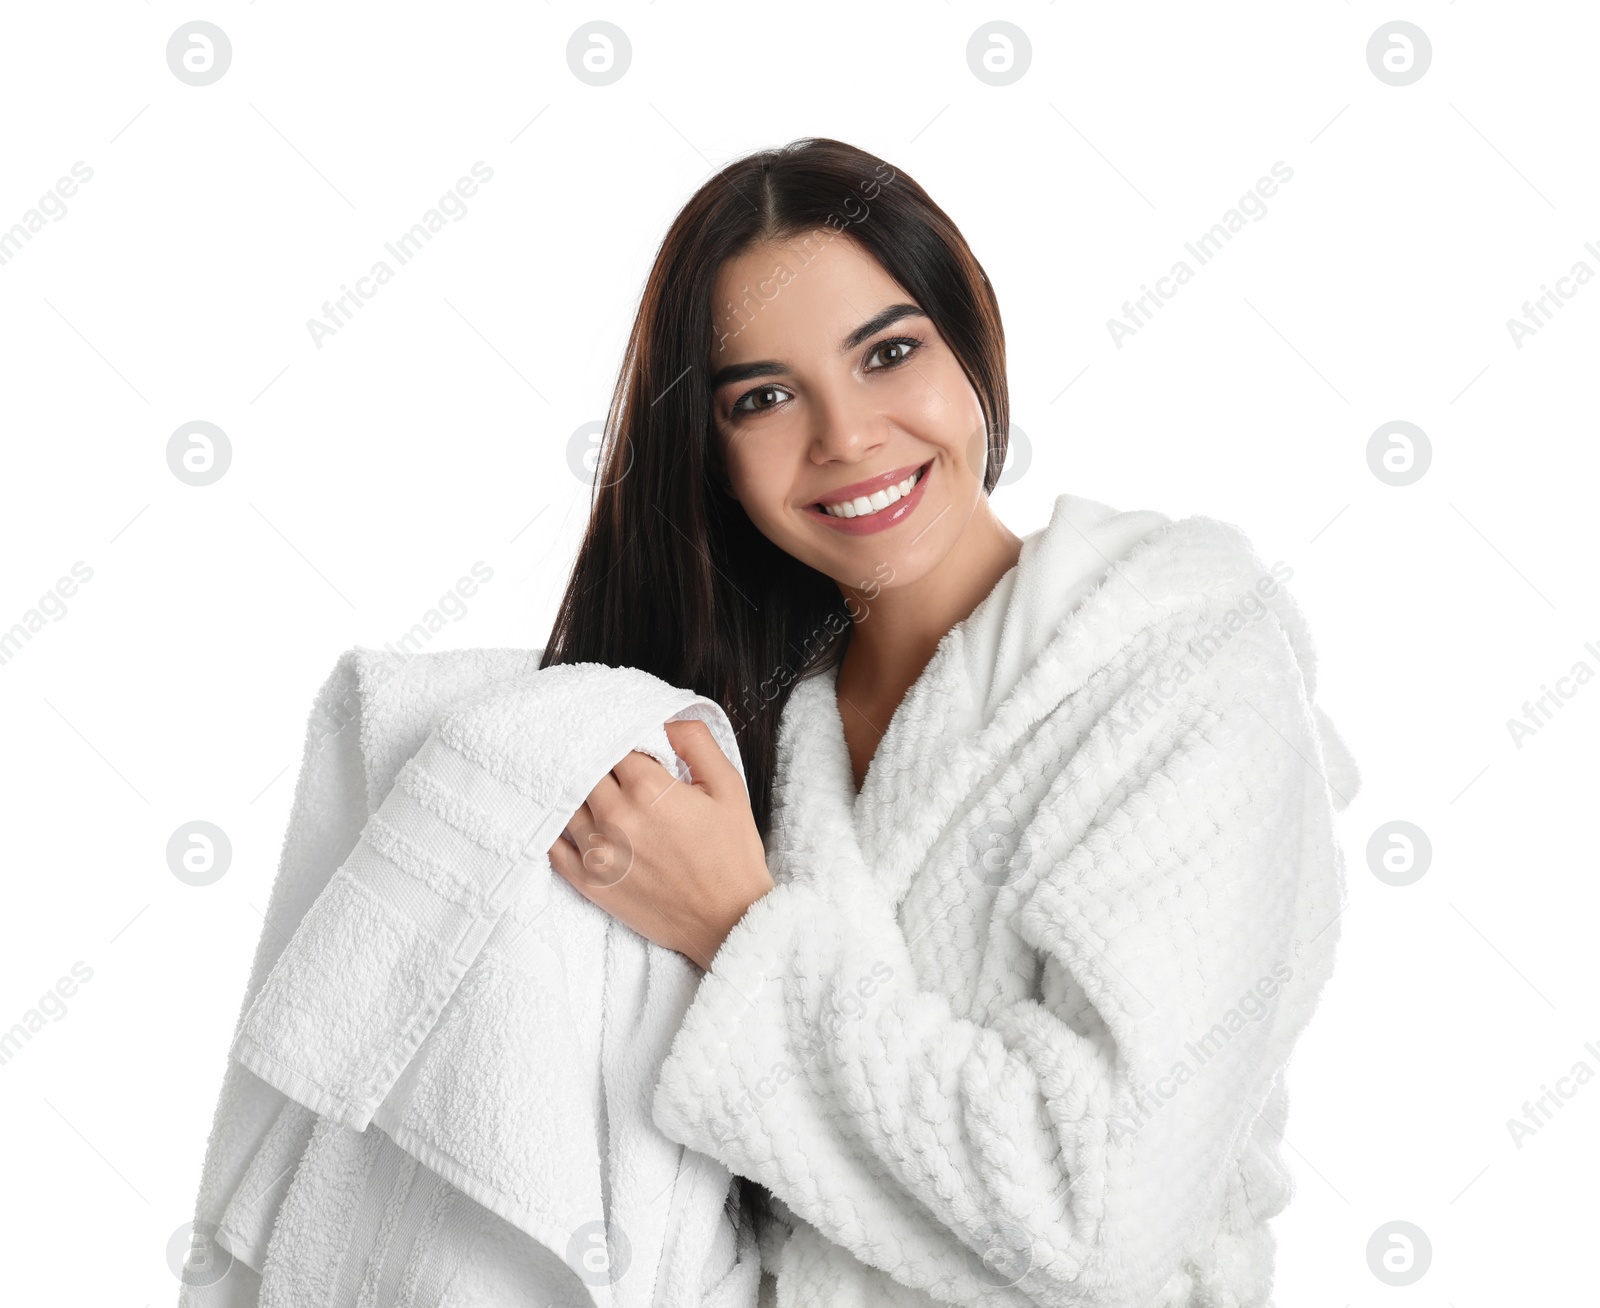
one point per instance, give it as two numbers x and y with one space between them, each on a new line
763 502
928 405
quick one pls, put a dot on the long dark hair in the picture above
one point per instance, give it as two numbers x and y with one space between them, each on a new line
672 577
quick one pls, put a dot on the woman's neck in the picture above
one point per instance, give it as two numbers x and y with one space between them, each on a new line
896 631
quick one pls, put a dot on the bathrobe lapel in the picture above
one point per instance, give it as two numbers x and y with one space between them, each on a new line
885 832
950 747
877 838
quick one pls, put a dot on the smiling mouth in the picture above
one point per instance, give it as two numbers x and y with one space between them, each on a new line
864 506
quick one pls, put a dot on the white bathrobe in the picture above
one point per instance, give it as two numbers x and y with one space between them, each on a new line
1011 1029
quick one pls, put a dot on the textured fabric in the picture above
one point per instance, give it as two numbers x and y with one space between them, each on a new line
1012 1027
365 1224
423 969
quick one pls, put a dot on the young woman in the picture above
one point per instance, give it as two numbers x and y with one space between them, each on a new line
1033 883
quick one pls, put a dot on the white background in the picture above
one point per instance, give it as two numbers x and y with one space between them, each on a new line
432 432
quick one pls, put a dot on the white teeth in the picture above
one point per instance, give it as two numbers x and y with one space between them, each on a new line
866 505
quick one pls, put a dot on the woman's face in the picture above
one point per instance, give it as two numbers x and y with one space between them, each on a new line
830 387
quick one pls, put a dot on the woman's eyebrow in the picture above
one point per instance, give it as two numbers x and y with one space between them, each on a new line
875 324
738 372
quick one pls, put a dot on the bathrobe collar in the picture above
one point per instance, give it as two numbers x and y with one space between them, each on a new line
993 675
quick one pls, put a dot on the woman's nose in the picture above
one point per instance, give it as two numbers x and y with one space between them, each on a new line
848 429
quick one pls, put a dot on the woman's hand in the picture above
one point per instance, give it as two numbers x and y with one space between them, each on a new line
679 862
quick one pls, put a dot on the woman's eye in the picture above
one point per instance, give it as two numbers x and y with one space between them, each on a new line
899 348
739 405
903 346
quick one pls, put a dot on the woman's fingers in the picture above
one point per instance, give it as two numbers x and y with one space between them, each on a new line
601 800
577 867
709 767
692 741
604 851
580 824
637 773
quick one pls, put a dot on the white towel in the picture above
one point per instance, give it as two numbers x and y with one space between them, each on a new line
501 1032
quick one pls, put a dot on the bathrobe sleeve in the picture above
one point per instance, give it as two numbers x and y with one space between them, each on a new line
1068 1147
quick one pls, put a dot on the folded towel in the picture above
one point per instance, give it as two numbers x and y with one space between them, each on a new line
444 984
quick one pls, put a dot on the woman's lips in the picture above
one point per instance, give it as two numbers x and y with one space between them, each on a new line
884 518
871 485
